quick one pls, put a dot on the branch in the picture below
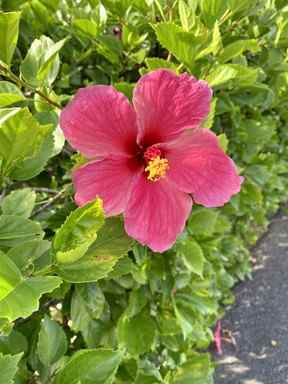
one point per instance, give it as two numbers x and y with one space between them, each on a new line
16 80
50 202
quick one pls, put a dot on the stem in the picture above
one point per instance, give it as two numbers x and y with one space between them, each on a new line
15 79
45 190
51 201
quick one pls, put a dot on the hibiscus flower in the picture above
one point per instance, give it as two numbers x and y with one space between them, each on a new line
149 160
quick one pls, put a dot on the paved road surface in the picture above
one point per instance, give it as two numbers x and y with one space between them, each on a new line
258 322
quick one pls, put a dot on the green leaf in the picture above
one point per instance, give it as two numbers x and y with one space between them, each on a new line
20 138
88 269
111 244
86 26
237 48
88 308
209 121
16 230
192 255
126 88
92 366
9 29
212 10
136 334
221 75
190 307
9 367
215 44
51 146
87 304
78 232
9 94
137 301
19 297
198 369
19 203
184 14
156 63
10 276
24 254
41 64
223 141
24 299
245 76
202 222
112 239
13 343
183 45
59 141
52 342
147 373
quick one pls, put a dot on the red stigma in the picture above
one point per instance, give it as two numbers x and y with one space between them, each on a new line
151 153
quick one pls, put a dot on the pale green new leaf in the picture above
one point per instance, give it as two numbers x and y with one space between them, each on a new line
9 29
184 14
78 232
20 138
41 64
221 75
19 297
209 121
10 276
9 94
86 26
223 141
51 146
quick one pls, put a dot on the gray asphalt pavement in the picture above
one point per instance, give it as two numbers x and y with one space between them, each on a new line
255 345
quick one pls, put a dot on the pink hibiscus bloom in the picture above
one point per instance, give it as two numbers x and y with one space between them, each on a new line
148 160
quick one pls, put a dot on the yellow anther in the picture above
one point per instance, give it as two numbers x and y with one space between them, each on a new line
156 168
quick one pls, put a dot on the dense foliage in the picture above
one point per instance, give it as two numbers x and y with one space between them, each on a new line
80 302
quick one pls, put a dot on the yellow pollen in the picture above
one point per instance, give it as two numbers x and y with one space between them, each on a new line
157 168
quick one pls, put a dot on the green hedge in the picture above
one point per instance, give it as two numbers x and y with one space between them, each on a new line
76 309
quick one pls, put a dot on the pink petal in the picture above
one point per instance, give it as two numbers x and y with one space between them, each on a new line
156 213
167 104
218 338
110 179
199 166
99 121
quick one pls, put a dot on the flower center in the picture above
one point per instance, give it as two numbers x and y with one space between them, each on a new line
156 167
